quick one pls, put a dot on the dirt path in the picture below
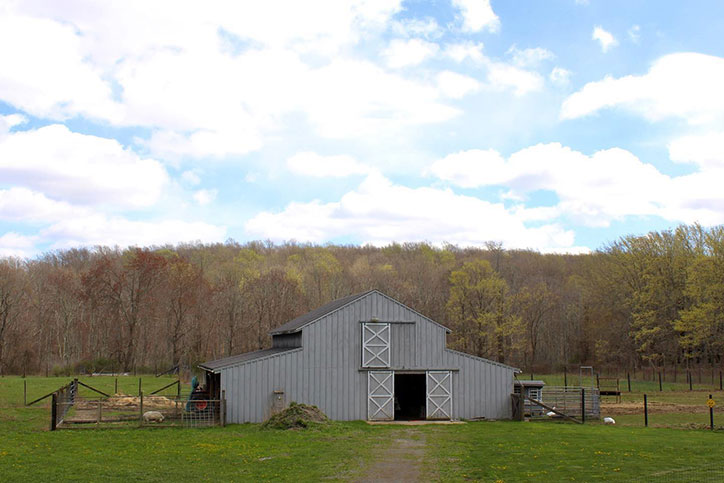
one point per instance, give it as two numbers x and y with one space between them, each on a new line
402 460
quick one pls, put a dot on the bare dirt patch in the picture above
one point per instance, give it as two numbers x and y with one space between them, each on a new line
653 407
401 461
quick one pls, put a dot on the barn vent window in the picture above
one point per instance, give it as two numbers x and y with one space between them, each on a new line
375 344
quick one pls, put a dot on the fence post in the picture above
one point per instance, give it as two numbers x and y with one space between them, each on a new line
139 386
720 381
565 376
646 412
53 411
628 377
25 392
116 391
140 405
583 405
223 408
598 383
711 416
690 378
100 411
660 387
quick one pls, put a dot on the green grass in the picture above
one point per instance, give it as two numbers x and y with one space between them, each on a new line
484 451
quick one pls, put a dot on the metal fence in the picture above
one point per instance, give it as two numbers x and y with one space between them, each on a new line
571 401
61 403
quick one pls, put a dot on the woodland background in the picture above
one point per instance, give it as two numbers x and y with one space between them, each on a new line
641 301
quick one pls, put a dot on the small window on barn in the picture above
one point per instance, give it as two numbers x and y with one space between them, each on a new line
375 344
534 393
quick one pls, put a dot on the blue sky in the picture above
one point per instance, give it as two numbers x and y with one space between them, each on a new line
557 126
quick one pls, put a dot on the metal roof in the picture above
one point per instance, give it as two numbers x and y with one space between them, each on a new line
318 313
245 357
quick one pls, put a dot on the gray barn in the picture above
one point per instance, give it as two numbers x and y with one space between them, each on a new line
365 356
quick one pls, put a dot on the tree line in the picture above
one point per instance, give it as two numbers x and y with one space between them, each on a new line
642 300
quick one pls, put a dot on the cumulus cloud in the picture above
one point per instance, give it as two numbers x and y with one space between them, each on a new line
560 76
456 86
684 85
530 57
79 168
16 245
477 15
605 38
315 165
608 185
380 212
24 205
405 53
705 150
204 197
99 229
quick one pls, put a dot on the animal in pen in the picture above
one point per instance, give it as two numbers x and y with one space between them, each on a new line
153 417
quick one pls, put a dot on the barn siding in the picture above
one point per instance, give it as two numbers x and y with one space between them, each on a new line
326 370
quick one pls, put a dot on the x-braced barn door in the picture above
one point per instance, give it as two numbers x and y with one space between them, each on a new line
380 395
439 395
375 345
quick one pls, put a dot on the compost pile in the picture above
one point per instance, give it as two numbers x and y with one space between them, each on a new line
296 416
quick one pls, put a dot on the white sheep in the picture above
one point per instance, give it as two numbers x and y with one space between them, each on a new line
609 421
551 414
152 416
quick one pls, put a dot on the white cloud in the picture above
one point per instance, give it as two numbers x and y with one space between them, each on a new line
684 85
316 165
634 33
405 53
560 76
477 15
427 28
605 38
380 212
204 197
15 245
9 121
101 230
24 205
461 51
80 169
592 189
44 72
506 76
456 86
191 177
531 57
705 150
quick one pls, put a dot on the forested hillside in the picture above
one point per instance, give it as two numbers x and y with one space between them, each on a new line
651 300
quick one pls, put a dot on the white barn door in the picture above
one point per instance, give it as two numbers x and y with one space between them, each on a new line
380 395
439 395
375 345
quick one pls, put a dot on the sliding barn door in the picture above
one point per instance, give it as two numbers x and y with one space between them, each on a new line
439 395
380 395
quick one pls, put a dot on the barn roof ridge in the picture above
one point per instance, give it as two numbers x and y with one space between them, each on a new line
312 316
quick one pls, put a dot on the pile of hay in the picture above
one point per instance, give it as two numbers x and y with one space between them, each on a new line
296 416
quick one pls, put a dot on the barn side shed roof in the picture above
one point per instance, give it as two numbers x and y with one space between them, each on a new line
242 358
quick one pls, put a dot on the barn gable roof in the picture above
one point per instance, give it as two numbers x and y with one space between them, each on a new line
214 366
316 314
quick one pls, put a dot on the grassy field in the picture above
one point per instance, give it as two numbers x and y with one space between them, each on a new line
484 451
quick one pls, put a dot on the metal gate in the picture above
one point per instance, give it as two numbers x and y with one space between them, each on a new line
375 345
380 395
439 395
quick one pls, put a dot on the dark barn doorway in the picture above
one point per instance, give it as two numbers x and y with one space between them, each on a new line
410 396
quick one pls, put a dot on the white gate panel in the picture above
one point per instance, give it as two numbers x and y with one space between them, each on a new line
380 395
375 345
439 395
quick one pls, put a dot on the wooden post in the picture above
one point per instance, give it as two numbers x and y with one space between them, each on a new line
711 416
690 378
646 412
720 381
660 387
139 386
565 376
583 405
531 375
100 411
178 389
140 405
25 392
53 411
628 377
116 390
598 383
